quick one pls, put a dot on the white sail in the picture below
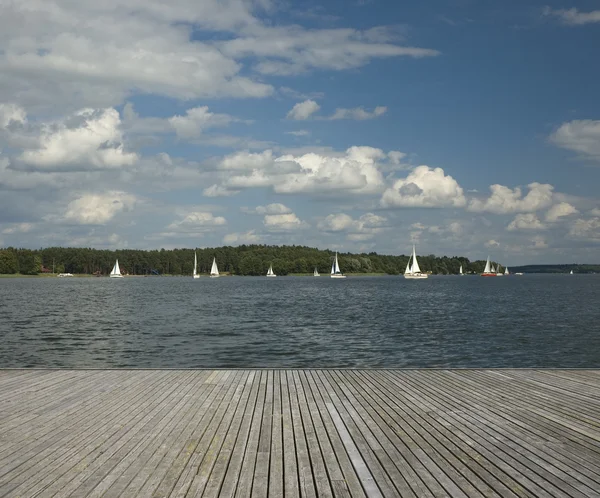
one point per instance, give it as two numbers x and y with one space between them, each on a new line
214 271
335 269
460 272
195 274
270 272
316 273
116 271
408 269
487 268
571 273
506 272
415 264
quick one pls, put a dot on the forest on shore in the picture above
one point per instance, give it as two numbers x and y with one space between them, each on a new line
240 260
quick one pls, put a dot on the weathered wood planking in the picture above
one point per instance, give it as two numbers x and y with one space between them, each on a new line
300 433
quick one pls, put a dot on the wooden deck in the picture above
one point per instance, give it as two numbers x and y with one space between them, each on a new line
292 433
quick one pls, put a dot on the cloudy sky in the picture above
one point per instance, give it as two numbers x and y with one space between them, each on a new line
466 127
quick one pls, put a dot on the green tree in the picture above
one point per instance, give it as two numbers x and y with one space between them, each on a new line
8 262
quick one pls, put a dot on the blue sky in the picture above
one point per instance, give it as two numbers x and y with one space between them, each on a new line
465 127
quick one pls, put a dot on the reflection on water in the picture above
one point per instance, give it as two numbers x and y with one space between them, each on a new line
528 321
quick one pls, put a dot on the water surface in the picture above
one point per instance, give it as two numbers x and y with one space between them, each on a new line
444 321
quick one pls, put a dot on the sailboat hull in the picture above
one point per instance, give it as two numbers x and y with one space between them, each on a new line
116 276
215 276
489 275
338 276
270 276
195 276
416 276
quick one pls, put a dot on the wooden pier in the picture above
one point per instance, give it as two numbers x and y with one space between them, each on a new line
300 433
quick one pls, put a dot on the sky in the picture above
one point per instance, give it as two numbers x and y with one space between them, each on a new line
465 127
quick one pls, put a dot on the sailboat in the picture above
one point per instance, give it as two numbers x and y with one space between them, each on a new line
335 269
498 272
571 272
488 271
413 270
316 273
270 272
214 271
506 272
116 272
195 274
460 272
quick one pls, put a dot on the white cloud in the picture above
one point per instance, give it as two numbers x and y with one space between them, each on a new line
196 222
250 237
527 221
303 110
573 17
218 191
356 171
97 209
595 212
538 242
424 187
358 113
586 229
298 133
363 228
284 222
196 120
11 113
289 50
492 243
505 200
581 136
89 139
275 208
19 228
560 210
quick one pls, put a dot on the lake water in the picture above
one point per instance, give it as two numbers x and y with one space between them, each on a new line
444 321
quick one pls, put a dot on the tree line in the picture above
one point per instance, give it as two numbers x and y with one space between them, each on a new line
240 260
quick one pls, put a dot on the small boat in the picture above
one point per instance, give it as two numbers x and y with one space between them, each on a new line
413 270
116 271
316 273
571 272
335 269
460 272
195 273
518 273
270 272
489 270
498 272
214 271
62 275
506 272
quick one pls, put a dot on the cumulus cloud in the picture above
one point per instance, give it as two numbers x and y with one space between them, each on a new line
275 208
250 237
18 228
89 139
573 17
586 229
303 110
356 171
504 200
284 222
560 210
424 187
527 221
97 209
581 136
11 114
363 228
197 222
357 113
492 243
196 120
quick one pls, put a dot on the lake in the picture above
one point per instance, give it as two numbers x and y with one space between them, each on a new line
177 322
